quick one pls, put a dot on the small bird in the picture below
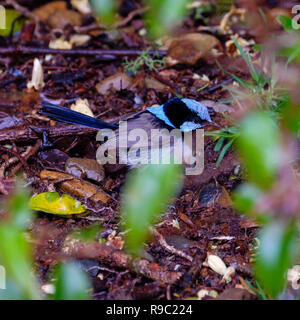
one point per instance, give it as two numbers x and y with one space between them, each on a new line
186 115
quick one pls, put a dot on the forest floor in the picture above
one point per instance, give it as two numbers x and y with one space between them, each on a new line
202 220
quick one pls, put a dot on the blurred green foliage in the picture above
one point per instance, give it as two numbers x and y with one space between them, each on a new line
15 250
16 256
161 16
260 90
105 10
164 15
259 146
147 192
278 251
72 283
13 21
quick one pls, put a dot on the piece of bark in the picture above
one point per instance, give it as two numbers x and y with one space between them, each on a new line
25 133
76 187
118 258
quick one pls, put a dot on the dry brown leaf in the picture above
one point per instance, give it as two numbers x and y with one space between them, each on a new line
85 168
45 11
59 19
191 47
76 187
152 83
118 81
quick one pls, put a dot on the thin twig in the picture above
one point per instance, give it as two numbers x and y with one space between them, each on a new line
32 150
26 13
72 52
169 248
17 155
130 16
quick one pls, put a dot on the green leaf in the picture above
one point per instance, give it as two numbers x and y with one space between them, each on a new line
219 144
257 47
162 16
147 193
105 10
239 80
72 283
258 291
223 152
87 234
15 256
246 196
286 22
278 251
256 76
20 214
259 146
15 250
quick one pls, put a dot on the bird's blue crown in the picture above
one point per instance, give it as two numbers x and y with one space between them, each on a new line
185 114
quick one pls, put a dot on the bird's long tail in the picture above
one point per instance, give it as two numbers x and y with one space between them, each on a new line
69 116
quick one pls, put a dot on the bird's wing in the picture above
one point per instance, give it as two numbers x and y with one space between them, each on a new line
143 138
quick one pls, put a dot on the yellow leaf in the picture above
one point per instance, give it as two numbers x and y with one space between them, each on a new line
51 202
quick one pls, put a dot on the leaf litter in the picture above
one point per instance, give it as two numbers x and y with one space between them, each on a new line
176 254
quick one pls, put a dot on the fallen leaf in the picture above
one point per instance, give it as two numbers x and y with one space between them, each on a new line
224 24
76 187
79 39
152 83
203 292
293 276
59 19
216 264
60 44
37 81
118 81
45 11
244 285
53 158
51 202
191 47
235 294
88 168
231 48
82 6
82 106
229 274
211 195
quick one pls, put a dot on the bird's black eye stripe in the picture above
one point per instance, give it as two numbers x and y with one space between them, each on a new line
177 112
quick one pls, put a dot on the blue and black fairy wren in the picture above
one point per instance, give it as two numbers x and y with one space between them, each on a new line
185 115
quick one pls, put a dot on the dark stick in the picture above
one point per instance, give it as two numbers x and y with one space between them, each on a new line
72 52
25 133
217 86
17 155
